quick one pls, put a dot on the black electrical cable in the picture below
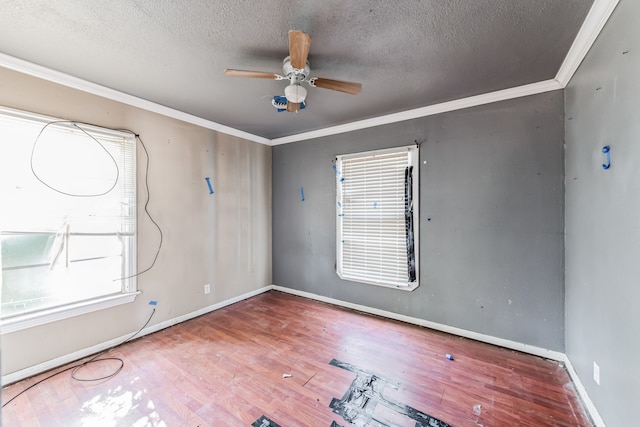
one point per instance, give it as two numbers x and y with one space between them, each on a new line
75 124
146 179
94 359
146 207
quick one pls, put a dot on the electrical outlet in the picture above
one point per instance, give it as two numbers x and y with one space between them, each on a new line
596 373
207 288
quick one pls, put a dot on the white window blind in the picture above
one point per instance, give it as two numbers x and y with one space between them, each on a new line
68 223
372 208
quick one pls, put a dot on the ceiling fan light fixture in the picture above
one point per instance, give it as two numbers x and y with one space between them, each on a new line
296 69
295 93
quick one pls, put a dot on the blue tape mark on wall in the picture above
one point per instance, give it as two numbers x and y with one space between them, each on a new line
340 214
606 151
342 179
209 185
375 205
335 169
302 194
339 204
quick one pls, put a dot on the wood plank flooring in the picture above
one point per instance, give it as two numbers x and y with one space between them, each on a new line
226 369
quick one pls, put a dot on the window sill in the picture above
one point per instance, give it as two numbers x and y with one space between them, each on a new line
18 323
411 287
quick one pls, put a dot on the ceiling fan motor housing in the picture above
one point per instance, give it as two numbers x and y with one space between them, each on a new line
295 75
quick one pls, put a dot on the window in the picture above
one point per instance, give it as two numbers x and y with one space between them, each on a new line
377 217
68 220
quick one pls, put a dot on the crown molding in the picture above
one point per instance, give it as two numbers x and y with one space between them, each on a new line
58 77
597 17
458 104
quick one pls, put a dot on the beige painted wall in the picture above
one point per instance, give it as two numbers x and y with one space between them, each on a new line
223 239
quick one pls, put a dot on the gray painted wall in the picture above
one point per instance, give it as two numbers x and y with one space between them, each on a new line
603 218
491 226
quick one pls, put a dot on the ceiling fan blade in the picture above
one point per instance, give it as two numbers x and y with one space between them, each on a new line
252 74
339 85
299 44
293 107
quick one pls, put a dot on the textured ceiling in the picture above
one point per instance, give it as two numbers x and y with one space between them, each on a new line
406 53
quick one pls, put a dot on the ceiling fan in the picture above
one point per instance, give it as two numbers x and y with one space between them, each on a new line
296 69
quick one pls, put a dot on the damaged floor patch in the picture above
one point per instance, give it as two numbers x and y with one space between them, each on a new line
263 421
365 405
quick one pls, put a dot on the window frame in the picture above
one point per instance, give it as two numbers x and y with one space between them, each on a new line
412 161
128 288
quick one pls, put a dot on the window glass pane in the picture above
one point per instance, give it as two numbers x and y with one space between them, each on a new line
68 219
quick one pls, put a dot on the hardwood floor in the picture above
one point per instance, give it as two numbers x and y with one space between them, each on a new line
226 369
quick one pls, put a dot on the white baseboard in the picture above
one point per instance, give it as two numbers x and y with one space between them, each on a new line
80 354
582 392
513 345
